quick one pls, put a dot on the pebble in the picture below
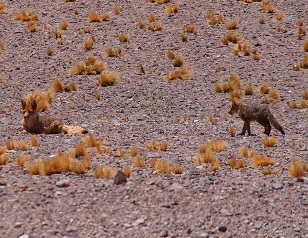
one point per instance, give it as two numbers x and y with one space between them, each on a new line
277 185
24 236
176 187
163 233
225 212
204 235
258 224
62 183
222 228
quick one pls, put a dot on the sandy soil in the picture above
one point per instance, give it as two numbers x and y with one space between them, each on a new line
200 202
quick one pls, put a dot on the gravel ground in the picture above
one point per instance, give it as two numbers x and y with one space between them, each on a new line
199 202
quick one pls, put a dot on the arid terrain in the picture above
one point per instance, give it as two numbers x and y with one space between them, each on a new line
195 199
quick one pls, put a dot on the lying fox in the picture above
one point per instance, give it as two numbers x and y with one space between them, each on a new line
256 112
36 124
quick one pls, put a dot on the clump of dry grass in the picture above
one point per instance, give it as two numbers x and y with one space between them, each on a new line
217 145
123 38
121 152
32 26
273 95
1 46
205 157
249 90
212 19
20 145
234 84
243 151
2 6
262 20
139 162
49 51
270 141
57 33
152 17
26 15
172 8
262 160
304 62
90 66
298 169
56 164
231 25
190 29
87 29
57 85
154 145
4 158
141 25
104 172
96 17
80 167
22 159
264 88
64 25
168 168
79 151
35 167
232 131
178 61
184 37
88 43
9 144
2 149
292 104
34 141
267 7
304 94
112 52
301 30
133 151
42 98
127 171
303 104
215 164
268 171
279 16
108 79
164 146
170 54
231 37
236 164
180 74
305 45
117 9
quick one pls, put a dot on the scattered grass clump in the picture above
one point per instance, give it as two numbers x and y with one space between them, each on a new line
180 74
292 104
231 25
57 33
64 25
215 164
121 152
170 54
96 17
231 37
268 171
153 145
243 151
127 171
123 37
80 167
304 62
34 141
87 29
42 98
152 17
90 66
190 29
279 16
305 45
262 20
59 163
163 166
139 162
164 146
267 7
184 37
264 88
303 104
88 43
20 145
270 141
217 145
79 151
249 90
298 169
304 94
172 8
34 167
57 85
2 6
178 61
108 79
4 158
104 172
112 52
26 15
49 51
117 9
232 131
262 160
32 26
133 151
206 156
22 159
9 145
236 164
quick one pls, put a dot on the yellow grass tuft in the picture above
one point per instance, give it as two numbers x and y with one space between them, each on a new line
303 104
20 145
133 151
236 164
217 145
298 169
49 51
232 131
64 25
4 158
80 167
141 25
172 8
34 141
170 54
121 152
139 162
184 37
292 104
264 88
42 98
180 74
304 62
153 162
2 149
26 15
80 150
168 168
57 85
32 26
304 94
206 157
94 17
164 146
87 29
123 37
305 45
190 29
90 66
105 16
243 151
231 25
231 37
152 18
35 167
22 159
2 6
268 171
249 90
127 171
178 61
215 164
262 160
117 9
104 172
112 52
108 79
88 43
57 164
267 7
9 144
279 16
236 93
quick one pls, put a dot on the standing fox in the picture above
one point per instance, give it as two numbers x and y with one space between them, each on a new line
34 123
256 112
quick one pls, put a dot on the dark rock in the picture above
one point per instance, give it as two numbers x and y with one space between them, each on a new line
120 178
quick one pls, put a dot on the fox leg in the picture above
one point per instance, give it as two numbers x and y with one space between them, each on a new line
267 126
246 127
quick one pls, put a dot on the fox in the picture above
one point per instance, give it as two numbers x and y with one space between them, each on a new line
255 112
44 124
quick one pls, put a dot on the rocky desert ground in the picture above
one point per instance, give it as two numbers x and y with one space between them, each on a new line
152 117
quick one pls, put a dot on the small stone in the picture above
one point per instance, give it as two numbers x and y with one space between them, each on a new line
163 233
17 224
139 221
277 185
204 235
176 187
24 236
62 183
120 178
258 224
222 228
225 212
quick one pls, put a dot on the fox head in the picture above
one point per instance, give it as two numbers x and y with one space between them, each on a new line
28 109
235 105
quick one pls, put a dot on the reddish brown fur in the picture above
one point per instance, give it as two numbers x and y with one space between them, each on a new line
256 112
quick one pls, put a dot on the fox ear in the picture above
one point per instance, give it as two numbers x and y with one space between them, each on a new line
23 103
33 105
235 100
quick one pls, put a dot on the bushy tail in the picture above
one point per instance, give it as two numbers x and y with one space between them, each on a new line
275 123
74 130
